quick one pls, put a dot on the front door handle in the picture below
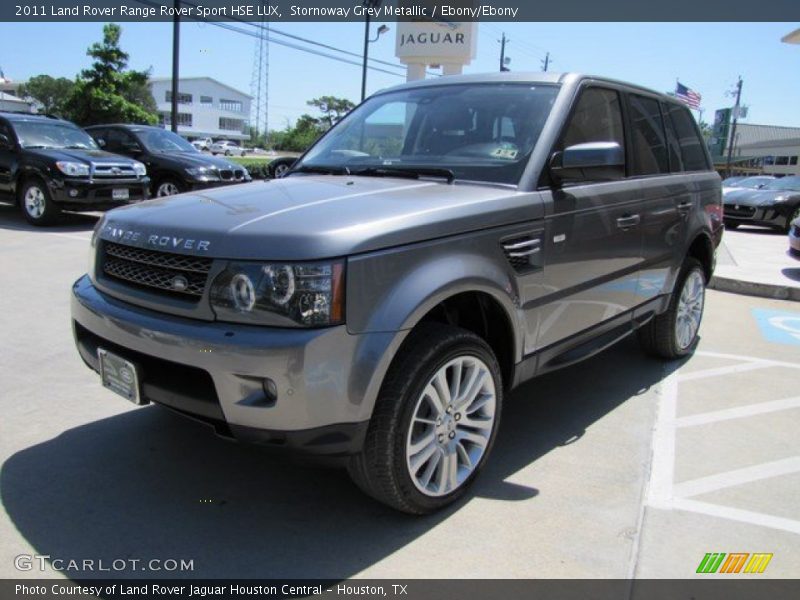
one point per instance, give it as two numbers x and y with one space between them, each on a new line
628 222
685 207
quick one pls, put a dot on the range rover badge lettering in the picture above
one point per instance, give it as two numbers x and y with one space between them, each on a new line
179 283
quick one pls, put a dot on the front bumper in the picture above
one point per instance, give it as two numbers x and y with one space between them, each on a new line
94 194
326 379
774 216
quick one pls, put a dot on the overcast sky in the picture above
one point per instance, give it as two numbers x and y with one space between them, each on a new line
708 57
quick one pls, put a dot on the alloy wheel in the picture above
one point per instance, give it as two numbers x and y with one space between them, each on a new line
167 189
451 426
690 309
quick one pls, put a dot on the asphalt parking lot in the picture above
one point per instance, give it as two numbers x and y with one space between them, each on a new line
621 466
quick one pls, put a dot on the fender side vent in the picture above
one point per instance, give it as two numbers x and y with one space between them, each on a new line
521 252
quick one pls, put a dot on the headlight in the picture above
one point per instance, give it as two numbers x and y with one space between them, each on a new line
280 294
203 173
73 169
139 169
780 199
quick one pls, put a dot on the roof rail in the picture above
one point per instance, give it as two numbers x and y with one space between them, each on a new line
30 114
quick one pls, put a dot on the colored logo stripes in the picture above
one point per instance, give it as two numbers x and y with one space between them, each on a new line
735 562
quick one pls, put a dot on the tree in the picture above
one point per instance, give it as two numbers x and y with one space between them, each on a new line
107 92
48 91
332 109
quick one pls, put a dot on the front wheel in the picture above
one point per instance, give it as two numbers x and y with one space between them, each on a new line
673 334
37 204
168 187
795 215
434 423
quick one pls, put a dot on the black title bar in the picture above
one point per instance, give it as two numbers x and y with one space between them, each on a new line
398 10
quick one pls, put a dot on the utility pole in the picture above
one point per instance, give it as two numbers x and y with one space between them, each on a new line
546 62
176 48
503 53
733 126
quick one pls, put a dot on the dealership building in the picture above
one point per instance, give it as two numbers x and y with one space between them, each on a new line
765 149
206 108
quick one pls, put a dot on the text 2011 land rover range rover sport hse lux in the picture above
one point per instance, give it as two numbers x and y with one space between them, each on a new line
444 242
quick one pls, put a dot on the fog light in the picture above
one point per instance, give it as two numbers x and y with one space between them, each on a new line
270 390
73 193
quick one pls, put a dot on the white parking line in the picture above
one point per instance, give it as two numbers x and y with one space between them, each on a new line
749 410
712 483
662 491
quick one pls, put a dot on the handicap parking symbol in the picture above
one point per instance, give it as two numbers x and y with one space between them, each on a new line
778 326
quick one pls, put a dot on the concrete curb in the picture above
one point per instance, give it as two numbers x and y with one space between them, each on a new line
751 288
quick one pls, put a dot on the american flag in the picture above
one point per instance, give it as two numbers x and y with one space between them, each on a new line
687 96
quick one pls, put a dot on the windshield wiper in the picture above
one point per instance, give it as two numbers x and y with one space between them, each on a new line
410 172
325 170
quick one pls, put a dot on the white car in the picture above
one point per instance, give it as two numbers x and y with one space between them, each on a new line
203 144
227 148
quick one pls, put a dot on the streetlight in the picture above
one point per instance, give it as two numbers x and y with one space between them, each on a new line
369 4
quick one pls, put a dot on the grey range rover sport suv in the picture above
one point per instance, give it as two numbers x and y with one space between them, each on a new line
444 242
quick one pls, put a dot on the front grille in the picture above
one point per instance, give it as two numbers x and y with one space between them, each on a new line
115 171
231 174
171 274
733 210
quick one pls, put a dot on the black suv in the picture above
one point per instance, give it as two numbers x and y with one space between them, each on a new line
174 165
48 165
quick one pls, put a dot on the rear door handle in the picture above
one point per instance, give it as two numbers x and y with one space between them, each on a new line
685 207
628 222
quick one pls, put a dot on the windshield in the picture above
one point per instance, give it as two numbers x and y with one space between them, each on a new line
159 140
784 183
477 132
43 134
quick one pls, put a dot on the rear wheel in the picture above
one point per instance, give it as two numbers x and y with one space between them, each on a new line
673 334
37 204
434 423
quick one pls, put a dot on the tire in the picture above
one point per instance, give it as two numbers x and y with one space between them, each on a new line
464 434
279 170
795 215
228 153
660 337
37 204
731 226
169 186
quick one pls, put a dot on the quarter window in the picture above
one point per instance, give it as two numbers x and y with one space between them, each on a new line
649 144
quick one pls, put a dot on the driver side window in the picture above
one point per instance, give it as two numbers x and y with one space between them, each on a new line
597 118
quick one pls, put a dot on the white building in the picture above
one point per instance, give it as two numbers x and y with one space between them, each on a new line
766 149
12 103
206 108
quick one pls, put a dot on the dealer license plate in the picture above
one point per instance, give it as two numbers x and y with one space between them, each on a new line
120 194
119 375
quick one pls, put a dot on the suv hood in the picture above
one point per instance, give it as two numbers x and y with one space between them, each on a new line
86 156
313 217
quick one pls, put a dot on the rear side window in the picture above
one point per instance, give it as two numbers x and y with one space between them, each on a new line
691 144
597 118
647 131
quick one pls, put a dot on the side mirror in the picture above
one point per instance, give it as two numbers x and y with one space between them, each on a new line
5 142
591 161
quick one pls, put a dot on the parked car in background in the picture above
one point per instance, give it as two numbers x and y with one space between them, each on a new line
280 166
203 144
228 148
774 205
48 165
174 164
756 182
